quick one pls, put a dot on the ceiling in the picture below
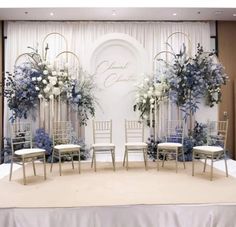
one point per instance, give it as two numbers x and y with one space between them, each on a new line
113 14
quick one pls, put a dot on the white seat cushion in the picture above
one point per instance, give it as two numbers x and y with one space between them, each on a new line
29 151
139 145
169 145
209 149
67 146
100 145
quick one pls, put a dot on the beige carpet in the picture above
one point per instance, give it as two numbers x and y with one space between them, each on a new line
122 187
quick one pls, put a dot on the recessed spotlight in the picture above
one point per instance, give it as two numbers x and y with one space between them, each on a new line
51 14
26 12
198 12
174 14
113 13
234 15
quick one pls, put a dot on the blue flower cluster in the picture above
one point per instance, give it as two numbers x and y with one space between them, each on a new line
192 79
43 140
22 97
81 99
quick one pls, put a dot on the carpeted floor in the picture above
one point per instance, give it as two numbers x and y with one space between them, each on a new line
121 187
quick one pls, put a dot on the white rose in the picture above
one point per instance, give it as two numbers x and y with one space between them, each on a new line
144 101
60 82
151 89
39 78
33 78
45 72
152 100
40 63
37 88
13 95
56 91
40 96
65 74
145 116
145 96
149 93
152 106
46 89
44 81
50 96
54 73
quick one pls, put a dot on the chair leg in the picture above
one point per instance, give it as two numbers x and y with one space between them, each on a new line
12 159
163 160
176 160
226 167
79 161
52 158
23 164
211 168
145 158
72 161
44 166
193 160
124 158
204 168
127 160
113 159
94 159
183 158
157 159
60 163
34 167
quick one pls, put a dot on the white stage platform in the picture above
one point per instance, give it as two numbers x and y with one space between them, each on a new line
136 198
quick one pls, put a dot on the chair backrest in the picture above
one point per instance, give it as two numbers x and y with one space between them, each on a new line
134 131
175 131
62 132
102 131
217 133
21 136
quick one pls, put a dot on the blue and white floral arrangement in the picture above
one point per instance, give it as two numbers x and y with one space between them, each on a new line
37 79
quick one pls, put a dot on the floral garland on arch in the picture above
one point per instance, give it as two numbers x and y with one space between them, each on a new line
39 79
192 79
149 92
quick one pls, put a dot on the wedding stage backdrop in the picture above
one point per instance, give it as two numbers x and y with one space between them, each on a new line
117 54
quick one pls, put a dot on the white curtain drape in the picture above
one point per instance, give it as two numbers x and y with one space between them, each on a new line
81 36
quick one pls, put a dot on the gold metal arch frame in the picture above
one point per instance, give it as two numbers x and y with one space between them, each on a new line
71 53
21 55
50 34
184 34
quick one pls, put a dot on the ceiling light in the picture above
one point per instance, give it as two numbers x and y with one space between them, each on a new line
26 12
174 14
234 15
113 13
51 14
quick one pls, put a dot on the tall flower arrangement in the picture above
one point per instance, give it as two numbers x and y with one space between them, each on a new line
149 92
39 79
192 79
